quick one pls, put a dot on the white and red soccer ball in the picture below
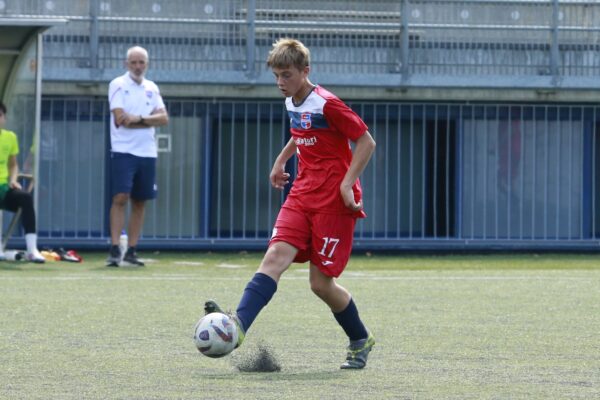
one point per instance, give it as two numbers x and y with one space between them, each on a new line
215 335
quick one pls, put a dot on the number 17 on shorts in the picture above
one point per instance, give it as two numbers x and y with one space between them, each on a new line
331 245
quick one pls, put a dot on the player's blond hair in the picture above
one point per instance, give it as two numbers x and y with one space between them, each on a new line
288 52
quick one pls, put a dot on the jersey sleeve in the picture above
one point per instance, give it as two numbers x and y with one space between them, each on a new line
115 95
343 119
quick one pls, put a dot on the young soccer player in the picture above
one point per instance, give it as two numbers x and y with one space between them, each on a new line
12 195
316 222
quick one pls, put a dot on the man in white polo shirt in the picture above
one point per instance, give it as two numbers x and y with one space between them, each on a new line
136 108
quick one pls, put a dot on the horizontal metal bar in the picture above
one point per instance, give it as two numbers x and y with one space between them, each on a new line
511 2
173 21
358 245
372 27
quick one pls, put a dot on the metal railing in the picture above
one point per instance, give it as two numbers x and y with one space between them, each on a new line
552 43
443 176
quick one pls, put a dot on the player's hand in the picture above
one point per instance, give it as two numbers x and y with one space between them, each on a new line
128 119
15 185
123 119
348 198
279 178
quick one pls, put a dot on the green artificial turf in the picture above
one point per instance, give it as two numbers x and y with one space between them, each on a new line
447 327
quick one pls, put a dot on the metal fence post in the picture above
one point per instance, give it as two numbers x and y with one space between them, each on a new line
38 118
554 55
404 10
251 39
94 5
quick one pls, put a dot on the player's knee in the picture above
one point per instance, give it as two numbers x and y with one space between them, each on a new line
120 199
138 204
317 289
276 260
320 287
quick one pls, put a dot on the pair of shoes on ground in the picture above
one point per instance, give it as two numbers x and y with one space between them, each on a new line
358 350
34 257
129 260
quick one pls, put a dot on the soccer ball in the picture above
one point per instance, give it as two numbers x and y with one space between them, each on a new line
215 335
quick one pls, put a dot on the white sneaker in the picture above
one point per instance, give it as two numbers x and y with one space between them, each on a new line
36 257
2 256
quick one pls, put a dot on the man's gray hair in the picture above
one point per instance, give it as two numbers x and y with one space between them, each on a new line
137 49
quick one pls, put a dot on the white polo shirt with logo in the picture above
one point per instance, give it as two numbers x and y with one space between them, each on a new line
136 99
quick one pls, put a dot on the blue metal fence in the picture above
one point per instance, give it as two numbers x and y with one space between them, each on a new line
444 175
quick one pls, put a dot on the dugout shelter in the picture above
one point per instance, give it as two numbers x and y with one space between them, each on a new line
20 80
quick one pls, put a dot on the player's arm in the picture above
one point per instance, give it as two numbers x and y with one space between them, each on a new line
123 118
279 178
13 172
132 121
365 146
156 118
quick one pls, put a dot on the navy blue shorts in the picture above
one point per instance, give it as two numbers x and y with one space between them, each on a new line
133 175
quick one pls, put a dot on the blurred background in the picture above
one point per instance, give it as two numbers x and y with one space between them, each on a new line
485 114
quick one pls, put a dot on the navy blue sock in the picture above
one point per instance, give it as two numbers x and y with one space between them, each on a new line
351 323
257 294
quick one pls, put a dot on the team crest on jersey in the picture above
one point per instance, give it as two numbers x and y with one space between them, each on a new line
305 121
149 94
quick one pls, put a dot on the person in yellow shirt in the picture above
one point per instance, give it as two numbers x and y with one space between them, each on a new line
12 195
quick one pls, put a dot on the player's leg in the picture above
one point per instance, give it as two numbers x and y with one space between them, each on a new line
263 285
277 260
331 248
117 216
117 222
261 288
328 290
136 221
346 314
14 200
290 234
143 189
121 176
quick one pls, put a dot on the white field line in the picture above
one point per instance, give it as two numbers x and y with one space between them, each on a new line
199 277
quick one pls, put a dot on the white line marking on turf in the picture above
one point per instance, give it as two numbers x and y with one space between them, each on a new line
230 266
175 277
195 263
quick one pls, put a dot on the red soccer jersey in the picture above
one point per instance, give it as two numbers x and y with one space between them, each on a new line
321 128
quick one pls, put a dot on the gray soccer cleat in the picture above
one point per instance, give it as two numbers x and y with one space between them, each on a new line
131 259
211 306
358 351
114 257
